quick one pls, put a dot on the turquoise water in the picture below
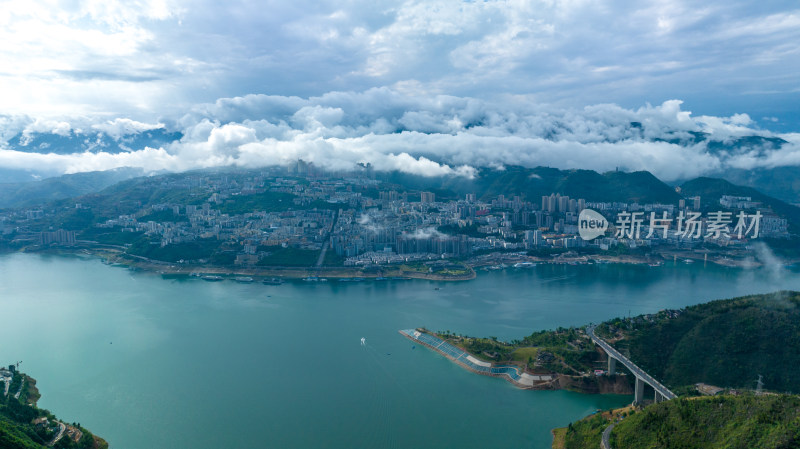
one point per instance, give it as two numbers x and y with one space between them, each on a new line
148 362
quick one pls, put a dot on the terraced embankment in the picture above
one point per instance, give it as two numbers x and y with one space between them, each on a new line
510 373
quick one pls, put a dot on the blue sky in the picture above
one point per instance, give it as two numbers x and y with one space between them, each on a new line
75 64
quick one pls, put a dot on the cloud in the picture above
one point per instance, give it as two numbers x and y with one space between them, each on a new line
424 234
425 135
150 59
57 127
121 127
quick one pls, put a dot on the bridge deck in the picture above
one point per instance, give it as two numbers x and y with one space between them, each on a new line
638 372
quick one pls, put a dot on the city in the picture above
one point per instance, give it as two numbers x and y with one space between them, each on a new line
315 218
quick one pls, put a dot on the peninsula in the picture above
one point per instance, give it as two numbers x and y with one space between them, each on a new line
731 363
729 342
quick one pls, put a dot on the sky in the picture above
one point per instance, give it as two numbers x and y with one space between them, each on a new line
436 87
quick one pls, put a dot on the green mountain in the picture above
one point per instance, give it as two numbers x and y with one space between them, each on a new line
726 343
533 183
721 422
22 194
782 183
23 425
711 189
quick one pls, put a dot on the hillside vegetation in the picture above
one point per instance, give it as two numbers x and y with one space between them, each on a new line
726 343
711 189
765 422
533 183
25 426
729 422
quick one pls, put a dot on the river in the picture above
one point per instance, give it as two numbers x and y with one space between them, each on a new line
148 362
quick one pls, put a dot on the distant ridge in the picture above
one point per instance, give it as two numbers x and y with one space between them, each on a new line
711 189
533 183
22 194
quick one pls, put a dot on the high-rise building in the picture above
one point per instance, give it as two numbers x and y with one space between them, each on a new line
563 203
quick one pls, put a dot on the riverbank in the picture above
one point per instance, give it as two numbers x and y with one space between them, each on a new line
115 256
494 261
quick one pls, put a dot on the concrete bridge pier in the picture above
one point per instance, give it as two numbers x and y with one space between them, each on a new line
612 366
639 391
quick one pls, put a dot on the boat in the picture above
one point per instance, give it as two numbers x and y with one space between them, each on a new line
244 279
524 265
212 278
272 281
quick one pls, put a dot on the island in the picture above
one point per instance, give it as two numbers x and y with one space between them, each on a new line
23 425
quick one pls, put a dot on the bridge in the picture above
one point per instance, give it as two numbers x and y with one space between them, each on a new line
662 393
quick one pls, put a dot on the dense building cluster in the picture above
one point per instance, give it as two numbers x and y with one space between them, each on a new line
366 221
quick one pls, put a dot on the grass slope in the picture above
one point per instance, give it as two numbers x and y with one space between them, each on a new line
721 422
765 422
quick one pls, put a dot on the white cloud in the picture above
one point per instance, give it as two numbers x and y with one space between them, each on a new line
424 233
121 127
427 135
150 59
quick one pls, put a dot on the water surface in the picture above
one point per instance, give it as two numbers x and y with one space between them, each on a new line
148 362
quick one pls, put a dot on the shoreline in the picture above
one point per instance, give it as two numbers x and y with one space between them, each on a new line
112 256
495 261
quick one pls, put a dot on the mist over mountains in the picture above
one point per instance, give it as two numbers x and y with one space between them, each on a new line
426 136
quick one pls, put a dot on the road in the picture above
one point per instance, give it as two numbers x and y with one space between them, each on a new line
21 385
325 247
61 429
606 443
638 372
